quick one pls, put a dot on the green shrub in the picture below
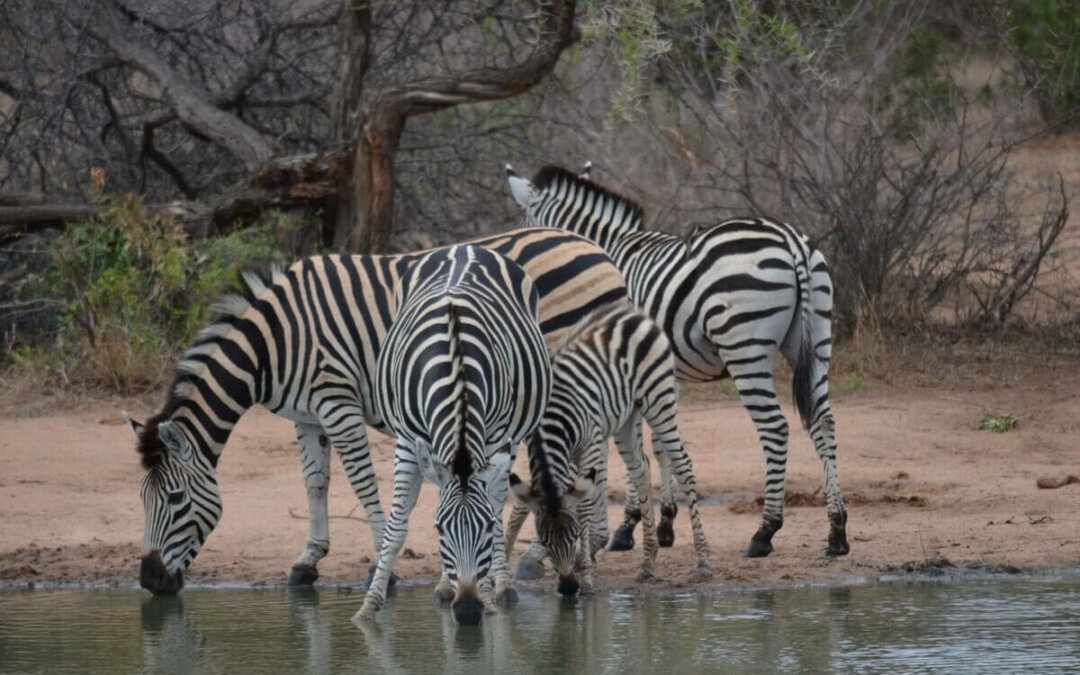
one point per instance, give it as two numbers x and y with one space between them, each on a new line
1045 35
137 290
998 424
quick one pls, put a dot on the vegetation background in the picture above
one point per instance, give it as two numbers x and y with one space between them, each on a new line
150 150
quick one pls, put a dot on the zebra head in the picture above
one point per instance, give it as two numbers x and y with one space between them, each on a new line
465 520
181 500
558 526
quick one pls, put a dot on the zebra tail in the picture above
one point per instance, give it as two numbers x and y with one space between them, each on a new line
462 465
802 385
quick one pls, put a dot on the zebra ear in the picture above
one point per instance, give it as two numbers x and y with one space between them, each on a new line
586 171
522 188
174 440
522 493
583 488
137 428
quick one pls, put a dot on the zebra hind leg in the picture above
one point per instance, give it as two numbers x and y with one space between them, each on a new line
754 381
315 458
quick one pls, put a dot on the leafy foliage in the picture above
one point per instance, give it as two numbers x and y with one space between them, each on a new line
999 424
1045 35
137 290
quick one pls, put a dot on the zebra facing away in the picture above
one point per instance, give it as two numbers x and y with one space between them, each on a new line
729 296
462 379
303 344
614 370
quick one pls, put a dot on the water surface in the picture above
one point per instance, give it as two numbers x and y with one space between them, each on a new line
995 625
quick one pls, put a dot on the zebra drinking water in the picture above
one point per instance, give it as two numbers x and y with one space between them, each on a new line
304 344
463 377
614 370
729 296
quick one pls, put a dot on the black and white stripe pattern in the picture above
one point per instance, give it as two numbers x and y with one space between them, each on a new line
462 379
614 371
729 296
304 344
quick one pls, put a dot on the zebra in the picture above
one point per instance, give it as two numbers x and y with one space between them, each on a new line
462 379
303 343
613 370
729 296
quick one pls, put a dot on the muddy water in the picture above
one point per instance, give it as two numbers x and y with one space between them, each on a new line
990 625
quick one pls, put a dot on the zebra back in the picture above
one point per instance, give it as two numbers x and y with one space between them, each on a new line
465 358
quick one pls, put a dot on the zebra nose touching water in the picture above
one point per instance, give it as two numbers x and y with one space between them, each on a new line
462 379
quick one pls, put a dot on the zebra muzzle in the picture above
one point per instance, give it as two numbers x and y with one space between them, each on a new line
467 607
155 577
568 586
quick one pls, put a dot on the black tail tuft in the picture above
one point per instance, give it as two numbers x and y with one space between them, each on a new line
802 385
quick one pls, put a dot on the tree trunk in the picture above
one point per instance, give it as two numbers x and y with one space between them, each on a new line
365 209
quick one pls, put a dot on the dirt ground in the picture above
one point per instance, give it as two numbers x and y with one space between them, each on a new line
923 486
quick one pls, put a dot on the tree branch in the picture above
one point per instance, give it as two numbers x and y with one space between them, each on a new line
192 104
556 22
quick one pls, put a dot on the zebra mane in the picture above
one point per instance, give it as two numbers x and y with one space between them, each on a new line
541 473
462 464
551 174
224 313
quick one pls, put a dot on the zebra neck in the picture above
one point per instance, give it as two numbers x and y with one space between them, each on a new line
564 432
207 432
211 394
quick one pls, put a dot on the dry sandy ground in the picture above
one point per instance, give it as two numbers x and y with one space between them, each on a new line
922 484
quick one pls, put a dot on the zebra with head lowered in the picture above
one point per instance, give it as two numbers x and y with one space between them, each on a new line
614 370
729 296
304 344
462 379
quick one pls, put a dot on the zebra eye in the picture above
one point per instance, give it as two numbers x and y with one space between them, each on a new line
176 497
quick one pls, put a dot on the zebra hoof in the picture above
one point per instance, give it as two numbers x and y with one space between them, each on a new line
443 596
838 545
303 575
645 574
758 548
665 535
507 597
622 540
528 570
704 572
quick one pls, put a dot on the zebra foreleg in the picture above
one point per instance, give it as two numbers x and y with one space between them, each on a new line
595 457
407 480
684 473
584 564
315 458
623 539
637 465
665 531
505 594
531 562
349 437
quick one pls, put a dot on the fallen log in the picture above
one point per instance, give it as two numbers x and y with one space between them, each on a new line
285 183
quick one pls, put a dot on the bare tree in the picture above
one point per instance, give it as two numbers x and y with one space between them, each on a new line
191 98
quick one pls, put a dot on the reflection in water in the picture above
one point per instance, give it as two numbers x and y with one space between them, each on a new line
954 627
